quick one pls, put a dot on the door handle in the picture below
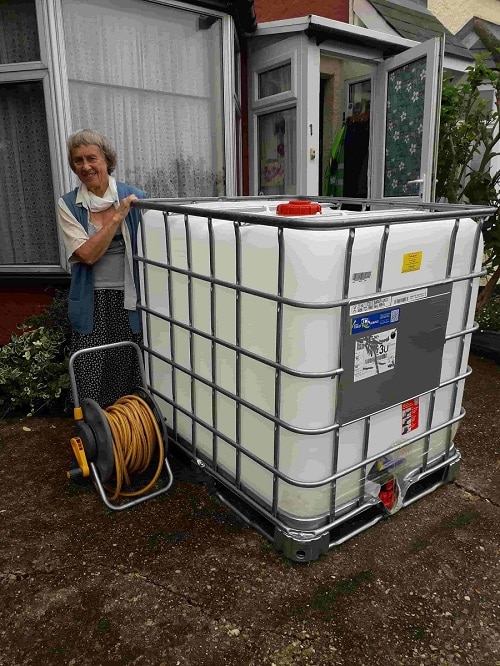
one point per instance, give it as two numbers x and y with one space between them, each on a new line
420 182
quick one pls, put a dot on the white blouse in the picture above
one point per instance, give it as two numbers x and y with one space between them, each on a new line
74 235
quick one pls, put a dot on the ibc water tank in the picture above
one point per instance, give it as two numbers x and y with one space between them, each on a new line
315 364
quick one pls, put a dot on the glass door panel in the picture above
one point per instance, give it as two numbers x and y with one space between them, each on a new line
406 114
404 129
277 152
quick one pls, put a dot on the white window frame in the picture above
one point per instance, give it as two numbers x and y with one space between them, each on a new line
347 83
39 70
288 99
354 81
238 117
231 97
285 97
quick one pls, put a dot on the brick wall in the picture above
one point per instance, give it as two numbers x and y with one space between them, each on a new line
17 303
275 10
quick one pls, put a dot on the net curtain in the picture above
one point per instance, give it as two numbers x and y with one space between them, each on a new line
148 76
277 148
27 226
27 220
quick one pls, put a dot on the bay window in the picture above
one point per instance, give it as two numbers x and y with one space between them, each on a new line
149 77
159 78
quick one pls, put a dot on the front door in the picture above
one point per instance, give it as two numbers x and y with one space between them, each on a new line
406 115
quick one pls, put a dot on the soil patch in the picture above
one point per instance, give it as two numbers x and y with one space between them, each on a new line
180 580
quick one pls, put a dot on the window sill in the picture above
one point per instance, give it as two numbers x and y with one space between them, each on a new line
58 278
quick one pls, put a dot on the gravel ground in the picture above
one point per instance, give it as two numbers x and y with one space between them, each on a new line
180 580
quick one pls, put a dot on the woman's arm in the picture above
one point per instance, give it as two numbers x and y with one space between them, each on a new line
93 249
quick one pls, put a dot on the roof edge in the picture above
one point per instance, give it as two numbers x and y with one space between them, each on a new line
242 11
324 28
245 13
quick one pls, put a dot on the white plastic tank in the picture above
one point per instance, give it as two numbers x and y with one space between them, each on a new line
314 358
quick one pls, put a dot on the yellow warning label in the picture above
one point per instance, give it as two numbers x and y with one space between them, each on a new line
411 261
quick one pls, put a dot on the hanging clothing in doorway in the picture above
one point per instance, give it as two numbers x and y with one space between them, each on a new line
334 174
357 140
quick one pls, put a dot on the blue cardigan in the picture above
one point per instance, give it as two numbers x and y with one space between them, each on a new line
81 292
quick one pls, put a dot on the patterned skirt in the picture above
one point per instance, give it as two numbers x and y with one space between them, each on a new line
106 375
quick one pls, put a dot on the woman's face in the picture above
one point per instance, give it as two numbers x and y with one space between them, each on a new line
91 168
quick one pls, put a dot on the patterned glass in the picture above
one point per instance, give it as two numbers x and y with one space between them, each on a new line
404 128
18 32
27 208
277 133
274 81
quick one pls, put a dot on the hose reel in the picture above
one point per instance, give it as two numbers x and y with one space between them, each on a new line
122 439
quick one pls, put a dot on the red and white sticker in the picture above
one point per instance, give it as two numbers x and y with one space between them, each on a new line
409 416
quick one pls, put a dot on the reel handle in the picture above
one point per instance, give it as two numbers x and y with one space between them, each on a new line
137 500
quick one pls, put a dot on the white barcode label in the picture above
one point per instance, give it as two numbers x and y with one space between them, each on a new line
361 277
409 297
386 301
369 306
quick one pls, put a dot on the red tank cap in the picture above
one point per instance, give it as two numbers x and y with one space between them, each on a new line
298 207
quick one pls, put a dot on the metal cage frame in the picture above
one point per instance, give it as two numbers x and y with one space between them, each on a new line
304 539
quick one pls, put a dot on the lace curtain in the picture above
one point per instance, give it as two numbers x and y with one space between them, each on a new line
277 133
18 32
149 77
27 219
27 223
275 80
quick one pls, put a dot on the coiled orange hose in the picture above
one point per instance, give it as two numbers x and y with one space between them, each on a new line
136 435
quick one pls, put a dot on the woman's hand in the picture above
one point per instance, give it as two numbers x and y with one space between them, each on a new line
123 209
113 217
110 221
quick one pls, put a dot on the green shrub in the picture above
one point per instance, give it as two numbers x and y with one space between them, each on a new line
469 139
34 363
489 317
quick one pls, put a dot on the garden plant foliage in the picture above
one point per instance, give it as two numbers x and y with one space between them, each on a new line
34 363
469 138
489 317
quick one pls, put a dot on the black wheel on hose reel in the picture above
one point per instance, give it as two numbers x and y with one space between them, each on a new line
95 419
150 401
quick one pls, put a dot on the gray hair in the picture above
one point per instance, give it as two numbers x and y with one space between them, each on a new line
88 137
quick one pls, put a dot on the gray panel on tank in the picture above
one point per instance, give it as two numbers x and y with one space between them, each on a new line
408 338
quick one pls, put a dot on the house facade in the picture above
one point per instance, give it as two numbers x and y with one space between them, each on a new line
456 15
207 98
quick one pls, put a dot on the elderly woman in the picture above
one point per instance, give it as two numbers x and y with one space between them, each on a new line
99 228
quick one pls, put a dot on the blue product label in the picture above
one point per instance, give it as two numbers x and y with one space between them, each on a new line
374 320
